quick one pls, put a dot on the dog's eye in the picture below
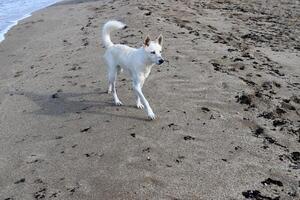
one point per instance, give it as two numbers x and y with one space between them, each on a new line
152 52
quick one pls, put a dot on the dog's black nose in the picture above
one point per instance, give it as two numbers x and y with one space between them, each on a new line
161 61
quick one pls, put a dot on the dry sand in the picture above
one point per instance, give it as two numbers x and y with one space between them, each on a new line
227 101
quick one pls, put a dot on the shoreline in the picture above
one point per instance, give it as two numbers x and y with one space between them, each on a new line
2 33
227 100
26 15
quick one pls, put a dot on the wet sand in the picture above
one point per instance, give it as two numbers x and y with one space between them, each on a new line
227 100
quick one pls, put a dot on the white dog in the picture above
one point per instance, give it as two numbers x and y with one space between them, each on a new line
138 62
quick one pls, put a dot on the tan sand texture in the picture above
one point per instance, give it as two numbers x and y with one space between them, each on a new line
227 100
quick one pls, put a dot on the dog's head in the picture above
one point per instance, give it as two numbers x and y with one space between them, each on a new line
153 49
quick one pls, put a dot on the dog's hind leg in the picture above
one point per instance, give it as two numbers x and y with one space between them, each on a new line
110 86
112 82
110 66
112 76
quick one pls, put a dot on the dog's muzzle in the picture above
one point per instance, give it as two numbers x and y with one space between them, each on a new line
161 61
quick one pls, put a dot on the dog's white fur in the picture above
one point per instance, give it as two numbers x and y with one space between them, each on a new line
138 62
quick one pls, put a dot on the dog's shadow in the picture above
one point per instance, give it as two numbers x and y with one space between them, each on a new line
66 103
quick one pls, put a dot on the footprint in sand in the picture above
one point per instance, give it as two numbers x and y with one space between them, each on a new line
41 194
18 73
66 42
85 42
35 158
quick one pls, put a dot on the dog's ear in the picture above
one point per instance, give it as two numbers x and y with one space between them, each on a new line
147 41
160 40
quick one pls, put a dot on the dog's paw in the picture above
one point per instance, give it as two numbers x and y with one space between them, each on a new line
139 105
151 116
118 103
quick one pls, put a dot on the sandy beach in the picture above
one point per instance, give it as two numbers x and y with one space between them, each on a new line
227 101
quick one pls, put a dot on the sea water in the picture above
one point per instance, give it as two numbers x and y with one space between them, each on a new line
12 11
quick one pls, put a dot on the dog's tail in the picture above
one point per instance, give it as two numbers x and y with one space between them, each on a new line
107 28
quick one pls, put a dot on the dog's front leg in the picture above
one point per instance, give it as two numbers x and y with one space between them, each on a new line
138 90
138 100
